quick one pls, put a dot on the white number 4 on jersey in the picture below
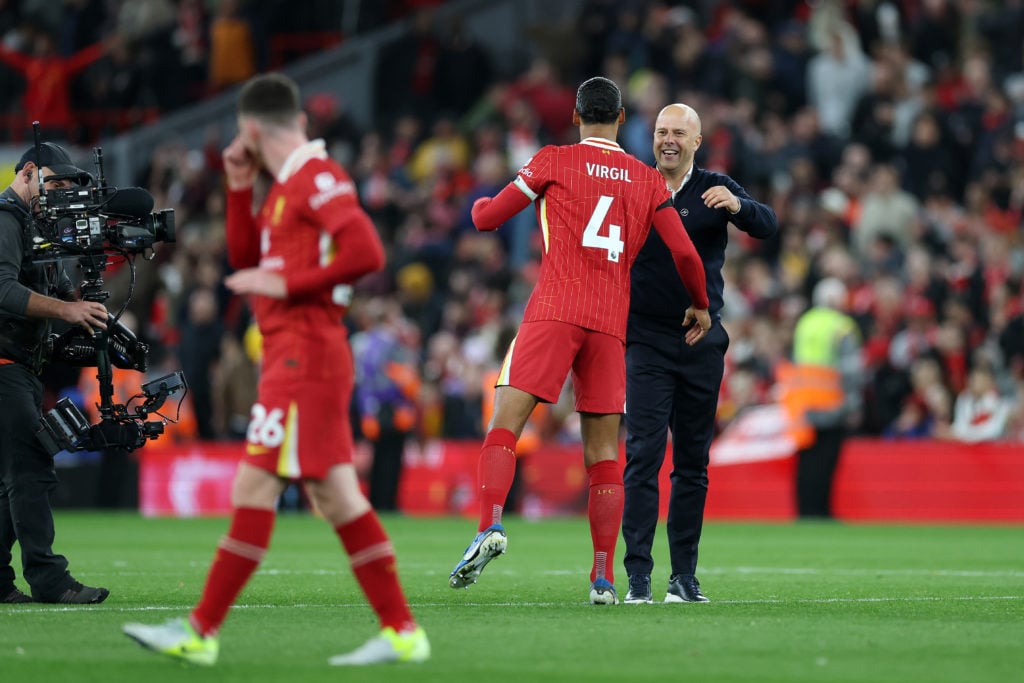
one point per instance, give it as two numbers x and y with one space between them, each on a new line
592 237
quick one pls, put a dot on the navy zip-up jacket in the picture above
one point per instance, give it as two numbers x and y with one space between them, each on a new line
657 295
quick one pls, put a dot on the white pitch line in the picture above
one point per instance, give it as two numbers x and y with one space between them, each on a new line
409 568
828 601
14 610
1000 573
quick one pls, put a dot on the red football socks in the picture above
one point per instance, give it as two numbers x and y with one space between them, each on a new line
238 555
496 470
604 509
372 558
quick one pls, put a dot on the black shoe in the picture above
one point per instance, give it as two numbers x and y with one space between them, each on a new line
684 588
78 594
15 597
639 590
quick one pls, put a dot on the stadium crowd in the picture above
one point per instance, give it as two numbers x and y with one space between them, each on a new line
888 136
86 68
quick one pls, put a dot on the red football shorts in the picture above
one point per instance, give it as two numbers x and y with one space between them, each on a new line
543 353
299 427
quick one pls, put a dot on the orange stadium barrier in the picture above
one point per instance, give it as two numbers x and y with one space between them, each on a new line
877 481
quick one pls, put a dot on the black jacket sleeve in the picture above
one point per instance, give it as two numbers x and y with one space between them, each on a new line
13 294
754 218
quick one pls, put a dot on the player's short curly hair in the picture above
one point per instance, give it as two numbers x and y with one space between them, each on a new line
272 98
598 100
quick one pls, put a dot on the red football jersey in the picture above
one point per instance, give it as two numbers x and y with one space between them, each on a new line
595 204
312 231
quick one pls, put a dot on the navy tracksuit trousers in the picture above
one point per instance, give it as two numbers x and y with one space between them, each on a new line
669 385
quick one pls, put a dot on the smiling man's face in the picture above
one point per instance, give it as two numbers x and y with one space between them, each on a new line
676 139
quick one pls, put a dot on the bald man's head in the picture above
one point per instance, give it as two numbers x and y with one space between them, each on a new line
677 137
681 111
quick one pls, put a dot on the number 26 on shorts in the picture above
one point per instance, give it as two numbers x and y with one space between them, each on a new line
265 428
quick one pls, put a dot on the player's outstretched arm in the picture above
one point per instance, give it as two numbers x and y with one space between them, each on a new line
490 212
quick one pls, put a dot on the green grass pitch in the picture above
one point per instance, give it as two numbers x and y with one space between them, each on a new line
790 602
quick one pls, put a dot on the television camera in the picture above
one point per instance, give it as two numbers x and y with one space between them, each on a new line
96 224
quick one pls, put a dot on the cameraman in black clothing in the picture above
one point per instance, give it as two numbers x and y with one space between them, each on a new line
31 295
670 384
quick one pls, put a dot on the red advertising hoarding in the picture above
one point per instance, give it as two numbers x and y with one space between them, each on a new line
877 481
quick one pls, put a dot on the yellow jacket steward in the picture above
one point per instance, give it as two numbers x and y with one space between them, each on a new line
821 386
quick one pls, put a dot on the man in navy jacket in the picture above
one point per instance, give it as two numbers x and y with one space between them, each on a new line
668 383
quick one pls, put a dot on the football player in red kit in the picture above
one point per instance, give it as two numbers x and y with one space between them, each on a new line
595 205
296 259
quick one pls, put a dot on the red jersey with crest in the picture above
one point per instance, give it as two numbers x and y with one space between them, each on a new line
595 204
312 231
310 218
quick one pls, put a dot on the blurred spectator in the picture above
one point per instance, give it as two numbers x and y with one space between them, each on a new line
142 19
419 298
387 387
233 388
464 68
232 55
114 81
329 119
929 164
47 81
645 96
790 57
199 347
926 411
406 77
917 336
1011 341
980 413
878 23
10 16
543 90
935 33
837 77
149 27
452 397
445 151
874 117
886 209
823 388
191 38
597 19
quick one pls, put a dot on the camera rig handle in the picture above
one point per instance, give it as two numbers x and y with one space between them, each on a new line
39 172
92 290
